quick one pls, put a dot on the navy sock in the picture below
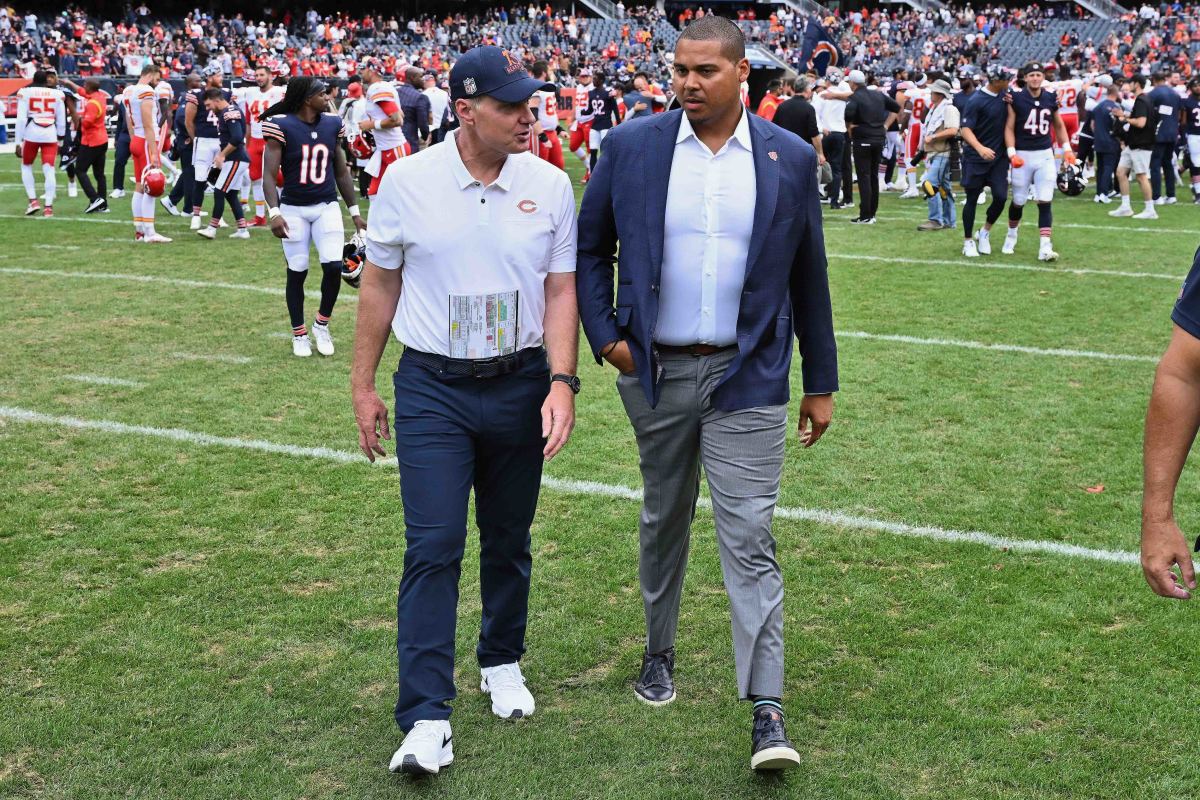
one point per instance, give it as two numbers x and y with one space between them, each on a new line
772 703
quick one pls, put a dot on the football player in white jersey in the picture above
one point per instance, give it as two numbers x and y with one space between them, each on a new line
545 143
383 118
253 101
918 102
143 116
41 123
1068 91
581 125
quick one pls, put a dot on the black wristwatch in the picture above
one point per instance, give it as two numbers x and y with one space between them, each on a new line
569 380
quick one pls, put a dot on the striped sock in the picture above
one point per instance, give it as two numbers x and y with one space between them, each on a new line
771 703
322 319
242 223
300 330
214 223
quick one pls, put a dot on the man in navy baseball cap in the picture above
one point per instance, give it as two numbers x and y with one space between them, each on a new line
493 72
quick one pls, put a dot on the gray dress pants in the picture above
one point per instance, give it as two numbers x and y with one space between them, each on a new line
742 455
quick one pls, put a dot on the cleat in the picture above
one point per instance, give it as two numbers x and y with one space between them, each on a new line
95 205
138 236
427 749
1010 242
969 249
48 211
1123 211
909 194
324 339
506 686
104 209
157 238
171 208
1046 254
1149 213
985 243
117 194
301 346
259 222
195 224
208 232
72 190
34 207
240 233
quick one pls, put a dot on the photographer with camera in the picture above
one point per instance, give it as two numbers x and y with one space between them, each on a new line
941 129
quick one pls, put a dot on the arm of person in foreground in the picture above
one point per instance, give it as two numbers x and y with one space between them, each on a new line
1171 423
378 296
812 320
561 326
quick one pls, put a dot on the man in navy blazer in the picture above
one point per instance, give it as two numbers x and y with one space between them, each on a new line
721 261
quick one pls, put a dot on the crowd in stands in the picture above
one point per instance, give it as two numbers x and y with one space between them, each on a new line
640 39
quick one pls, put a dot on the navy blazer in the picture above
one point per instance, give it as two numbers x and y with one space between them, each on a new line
786 286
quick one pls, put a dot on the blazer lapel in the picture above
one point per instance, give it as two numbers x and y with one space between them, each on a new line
658 155
766 178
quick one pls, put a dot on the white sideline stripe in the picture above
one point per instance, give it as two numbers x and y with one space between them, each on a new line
56 247
592 488
190 284
212 357
279 335
1117 225
1006 348
61 218
983 263
101 380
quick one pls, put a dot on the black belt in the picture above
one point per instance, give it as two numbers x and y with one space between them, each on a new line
476 367
693 349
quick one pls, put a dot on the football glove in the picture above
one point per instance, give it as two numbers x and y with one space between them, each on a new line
354 256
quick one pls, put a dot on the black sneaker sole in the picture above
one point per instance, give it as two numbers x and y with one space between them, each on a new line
775 758
650 702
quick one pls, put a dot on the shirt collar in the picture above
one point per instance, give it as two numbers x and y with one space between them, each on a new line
741 134
464 177
989 92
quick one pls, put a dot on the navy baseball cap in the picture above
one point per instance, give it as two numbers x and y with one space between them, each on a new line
488 70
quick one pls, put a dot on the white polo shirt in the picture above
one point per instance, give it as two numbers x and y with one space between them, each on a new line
475 257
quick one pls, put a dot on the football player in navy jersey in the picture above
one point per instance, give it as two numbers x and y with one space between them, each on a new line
232 161
1031 150
306 141
602 113
201 125
984 162
1190 113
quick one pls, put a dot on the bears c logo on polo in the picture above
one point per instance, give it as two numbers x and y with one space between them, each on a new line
527 207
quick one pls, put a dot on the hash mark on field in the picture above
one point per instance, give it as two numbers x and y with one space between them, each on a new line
101 380
212 357
1005 348
977 264
56 247
591 488
184 282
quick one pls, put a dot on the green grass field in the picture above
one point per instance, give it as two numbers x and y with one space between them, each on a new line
192 617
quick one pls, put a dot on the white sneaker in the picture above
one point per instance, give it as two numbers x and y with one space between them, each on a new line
1045 253
208 232
117 193
222 223
969 248
1171 201
1123 211
240 233
506 685
1160 201
324 340
156 238
1149 213
195 223
72 190
1010 242
169 206
427 748
301 346
909 194
1101 198
982 199
985 243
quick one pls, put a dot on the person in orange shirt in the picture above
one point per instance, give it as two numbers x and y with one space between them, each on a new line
93 145
770 101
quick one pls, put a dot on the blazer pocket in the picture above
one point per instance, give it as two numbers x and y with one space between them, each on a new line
783 327
623 314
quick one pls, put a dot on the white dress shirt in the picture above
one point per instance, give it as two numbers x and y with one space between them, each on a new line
709 219
465 245
833 112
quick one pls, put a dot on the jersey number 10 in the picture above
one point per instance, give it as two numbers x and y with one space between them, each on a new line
314 161
1038 122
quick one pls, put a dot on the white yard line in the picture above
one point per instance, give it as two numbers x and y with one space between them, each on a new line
217 357
1118 223
591 488
985 262
345 297
56 247
101 380
1005 348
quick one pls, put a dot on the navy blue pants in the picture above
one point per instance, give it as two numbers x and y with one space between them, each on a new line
1106 168
1162 170
454 434
121 158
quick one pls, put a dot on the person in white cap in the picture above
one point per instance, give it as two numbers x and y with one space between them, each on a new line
868 115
